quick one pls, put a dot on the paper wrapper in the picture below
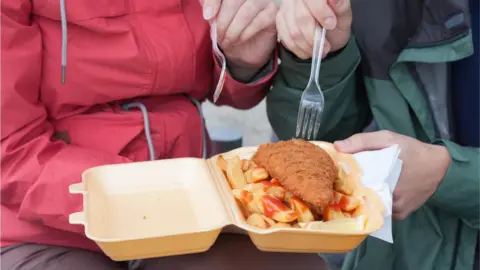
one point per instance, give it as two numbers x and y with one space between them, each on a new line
380 172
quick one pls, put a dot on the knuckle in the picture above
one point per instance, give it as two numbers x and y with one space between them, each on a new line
303 56
396 196
222 44
221 30
356 139
303 19
343 9
267 19
251 6
326 47
279 22
278 17
269 24
402 215
271 13
272 6
348 20
387 134
397 206
384 133
231 4
326 50
303 16
295 34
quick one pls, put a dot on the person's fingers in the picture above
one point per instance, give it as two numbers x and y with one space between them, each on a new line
366 141
242 19
322 12
343 12
210 8
307 22
339 7
263 21
225 16
400 215
326 48
286 40
400 209
297 15
398 202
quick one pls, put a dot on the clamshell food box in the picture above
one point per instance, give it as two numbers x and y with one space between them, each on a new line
180 206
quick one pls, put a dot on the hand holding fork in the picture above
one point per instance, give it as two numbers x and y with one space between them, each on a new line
312 101
296 21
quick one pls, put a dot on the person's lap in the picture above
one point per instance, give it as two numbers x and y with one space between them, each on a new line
33 257
230 252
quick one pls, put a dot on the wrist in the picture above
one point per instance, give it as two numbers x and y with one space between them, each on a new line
442 157
244 72
332 54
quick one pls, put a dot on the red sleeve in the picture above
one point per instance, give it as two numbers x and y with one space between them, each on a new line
240 95
36 171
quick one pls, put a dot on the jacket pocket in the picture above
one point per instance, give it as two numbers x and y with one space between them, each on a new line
105 131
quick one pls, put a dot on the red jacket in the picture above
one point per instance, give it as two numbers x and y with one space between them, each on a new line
118 51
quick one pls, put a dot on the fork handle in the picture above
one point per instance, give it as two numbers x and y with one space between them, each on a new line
318 45
221 56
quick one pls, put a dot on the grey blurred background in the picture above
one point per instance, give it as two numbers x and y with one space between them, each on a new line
252 124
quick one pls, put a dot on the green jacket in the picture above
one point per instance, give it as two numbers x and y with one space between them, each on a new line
401 83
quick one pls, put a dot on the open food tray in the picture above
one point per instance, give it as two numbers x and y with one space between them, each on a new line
180 206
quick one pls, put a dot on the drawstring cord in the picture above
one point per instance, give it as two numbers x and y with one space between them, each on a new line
63 15
146 125
202 119
148 135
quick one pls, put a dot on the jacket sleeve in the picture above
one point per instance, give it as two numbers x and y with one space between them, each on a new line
244 94
346 109
36 170
460 189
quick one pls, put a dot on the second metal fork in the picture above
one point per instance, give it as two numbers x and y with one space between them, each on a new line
312 101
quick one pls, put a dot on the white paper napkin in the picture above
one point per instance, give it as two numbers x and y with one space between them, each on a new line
381 170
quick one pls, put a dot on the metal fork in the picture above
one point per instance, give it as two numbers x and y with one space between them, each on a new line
312 102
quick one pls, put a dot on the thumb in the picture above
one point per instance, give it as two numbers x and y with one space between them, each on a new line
366 142
210 8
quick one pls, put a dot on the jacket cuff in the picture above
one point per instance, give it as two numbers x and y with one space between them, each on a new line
242 95
334 68
459 190
245 75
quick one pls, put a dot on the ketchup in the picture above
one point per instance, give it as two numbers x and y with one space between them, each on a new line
272 206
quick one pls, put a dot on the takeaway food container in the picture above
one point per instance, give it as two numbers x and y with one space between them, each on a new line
180 206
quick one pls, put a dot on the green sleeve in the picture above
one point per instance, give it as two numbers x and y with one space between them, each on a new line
346 109
459 191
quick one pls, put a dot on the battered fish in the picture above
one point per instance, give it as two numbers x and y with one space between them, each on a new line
302 168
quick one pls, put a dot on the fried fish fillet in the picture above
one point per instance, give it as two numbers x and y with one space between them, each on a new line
302 168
